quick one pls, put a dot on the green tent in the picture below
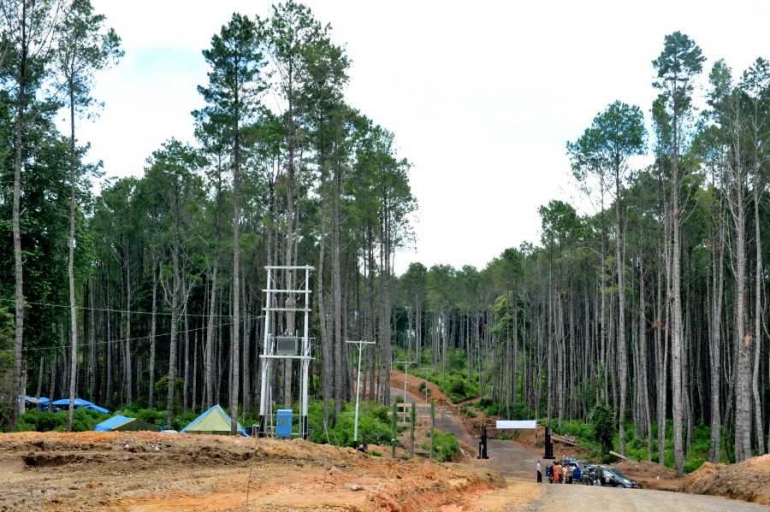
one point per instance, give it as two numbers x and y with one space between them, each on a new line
213 421
124 423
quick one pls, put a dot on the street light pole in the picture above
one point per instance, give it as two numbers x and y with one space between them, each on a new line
358 383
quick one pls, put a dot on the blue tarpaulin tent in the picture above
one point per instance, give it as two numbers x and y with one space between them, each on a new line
79 402
41 402
113 423
123 423
97 408
213 421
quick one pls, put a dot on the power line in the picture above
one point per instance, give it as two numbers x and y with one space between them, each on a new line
123 340
109 310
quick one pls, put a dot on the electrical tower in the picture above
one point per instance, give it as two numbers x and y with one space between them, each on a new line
282 340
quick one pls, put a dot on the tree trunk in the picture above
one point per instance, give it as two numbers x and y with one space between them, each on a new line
716 345
153 328
339 387
209 356
71 264
622 356
127 343
18 268
236 327
757 326
172 355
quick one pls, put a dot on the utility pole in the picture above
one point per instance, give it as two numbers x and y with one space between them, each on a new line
406 374
360 345
425 380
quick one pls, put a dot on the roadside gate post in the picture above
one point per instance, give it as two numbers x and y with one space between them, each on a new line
394 439
483 443
548 444
414 419
432 425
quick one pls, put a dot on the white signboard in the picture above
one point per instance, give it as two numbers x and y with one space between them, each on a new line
516 424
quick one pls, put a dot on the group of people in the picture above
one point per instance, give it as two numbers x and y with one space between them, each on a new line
559 472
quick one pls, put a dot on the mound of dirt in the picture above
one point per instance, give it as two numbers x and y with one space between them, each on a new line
650 475
144 471
748 480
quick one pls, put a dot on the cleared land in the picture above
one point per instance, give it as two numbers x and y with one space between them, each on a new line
140 472
151 472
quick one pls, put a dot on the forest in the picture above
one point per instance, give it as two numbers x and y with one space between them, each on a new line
147 290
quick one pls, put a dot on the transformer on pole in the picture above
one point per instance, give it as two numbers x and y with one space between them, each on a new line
288 346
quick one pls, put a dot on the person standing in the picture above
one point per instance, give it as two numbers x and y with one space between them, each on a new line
539 473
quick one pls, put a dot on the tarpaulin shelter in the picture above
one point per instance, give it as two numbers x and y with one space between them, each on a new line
79 402
97 408
40 403
119 423
213 421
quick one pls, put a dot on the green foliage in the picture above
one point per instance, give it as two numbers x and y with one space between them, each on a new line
469 411
457 386
374 425
182 420
603 426
576 428
44 421
154 416
6 365
445 445
458 360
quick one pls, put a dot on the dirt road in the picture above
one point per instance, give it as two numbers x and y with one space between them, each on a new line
517 463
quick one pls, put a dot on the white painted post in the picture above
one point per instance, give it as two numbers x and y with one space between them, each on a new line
358 383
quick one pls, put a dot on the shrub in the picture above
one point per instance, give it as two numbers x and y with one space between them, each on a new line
693 463
43 421
603 427
458 388
458 360
374 425
445 445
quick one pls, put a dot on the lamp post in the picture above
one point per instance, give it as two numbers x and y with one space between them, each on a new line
358 382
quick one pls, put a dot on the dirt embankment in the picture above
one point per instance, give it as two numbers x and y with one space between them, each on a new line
413 384
143 471
748 480
651 475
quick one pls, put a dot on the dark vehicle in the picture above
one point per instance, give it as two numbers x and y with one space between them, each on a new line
611 477
591 474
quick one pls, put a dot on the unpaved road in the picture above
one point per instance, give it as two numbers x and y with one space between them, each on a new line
583 498
517 463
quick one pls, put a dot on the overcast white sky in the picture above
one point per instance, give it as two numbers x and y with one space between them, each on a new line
481 95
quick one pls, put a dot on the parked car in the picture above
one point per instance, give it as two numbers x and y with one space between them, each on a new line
591 474
612 477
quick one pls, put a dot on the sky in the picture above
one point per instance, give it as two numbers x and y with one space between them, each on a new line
482 96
